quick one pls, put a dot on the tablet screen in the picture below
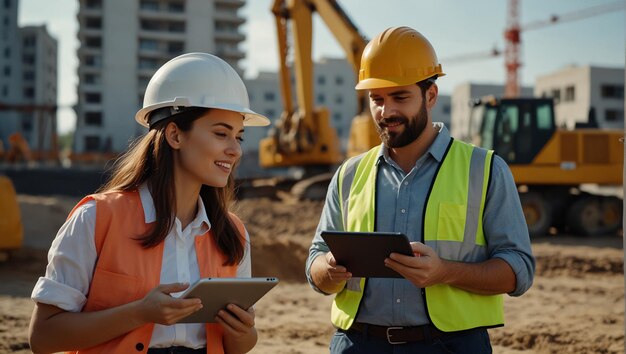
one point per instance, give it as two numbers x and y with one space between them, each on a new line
364 253
216 293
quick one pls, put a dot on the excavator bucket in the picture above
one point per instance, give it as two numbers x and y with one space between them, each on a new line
11 230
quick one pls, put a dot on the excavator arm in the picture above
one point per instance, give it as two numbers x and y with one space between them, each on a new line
303 135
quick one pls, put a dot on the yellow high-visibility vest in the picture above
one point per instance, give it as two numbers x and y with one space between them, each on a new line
452 227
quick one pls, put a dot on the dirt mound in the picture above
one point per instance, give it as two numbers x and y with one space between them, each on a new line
280 234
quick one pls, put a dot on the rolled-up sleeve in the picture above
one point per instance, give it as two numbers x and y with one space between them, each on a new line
71 260
505 227
329 220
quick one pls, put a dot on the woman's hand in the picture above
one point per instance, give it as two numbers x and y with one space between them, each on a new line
158 306
236 321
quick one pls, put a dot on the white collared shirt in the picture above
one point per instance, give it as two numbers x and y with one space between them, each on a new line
72 258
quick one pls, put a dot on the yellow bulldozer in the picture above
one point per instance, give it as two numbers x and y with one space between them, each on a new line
551 166
11 229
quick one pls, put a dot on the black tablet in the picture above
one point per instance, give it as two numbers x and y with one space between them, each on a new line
364 253
216 293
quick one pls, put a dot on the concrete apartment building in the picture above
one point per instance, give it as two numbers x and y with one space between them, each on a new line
28 76
10 64
122 43
39 86
581 91
463 94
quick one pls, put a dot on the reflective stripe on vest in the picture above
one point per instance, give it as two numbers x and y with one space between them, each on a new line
452 226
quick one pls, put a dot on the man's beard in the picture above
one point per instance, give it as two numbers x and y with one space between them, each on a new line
413 128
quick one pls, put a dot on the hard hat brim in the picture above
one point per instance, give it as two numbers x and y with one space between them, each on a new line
251 118
374 83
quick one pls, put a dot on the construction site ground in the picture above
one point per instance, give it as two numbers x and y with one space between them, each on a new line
576 304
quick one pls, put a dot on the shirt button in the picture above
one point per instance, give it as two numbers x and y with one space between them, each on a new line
398 300
403 211
406 183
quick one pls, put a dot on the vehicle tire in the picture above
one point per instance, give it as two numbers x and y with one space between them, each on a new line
595 215
538 213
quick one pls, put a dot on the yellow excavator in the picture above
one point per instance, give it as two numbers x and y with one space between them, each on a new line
551 165
303 136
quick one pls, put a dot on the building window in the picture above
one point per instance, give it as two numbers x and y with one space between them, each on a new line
148 44
93 42
337 117
92 97
7 4
7 71
338 80
92 79
556 95
149 5
93 4
28 59
338 99
614 115
7 52
29 92
321 80
5 91
176 7
570 94
93 61
270 113
269 96
93 118
92 143
148 63
321 98
177 27
27 122
29 42
93 22
29 75
612 91
445 109
7 21
175 47
150 25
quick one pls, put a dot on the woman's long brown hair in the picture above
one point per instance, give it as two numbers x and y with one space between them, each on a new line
150 159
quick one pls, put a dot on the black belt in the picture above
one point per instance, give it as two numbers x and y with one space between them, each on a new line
398 335
176 350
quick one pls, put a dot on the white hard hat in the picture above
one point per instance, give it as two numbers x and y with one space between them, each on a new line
197 80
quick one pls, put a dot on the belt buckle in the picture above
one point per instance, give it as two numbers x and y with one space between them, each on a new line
389 335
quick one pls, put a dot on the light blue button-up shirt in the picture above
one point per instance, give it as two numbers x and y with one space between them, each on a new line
400 201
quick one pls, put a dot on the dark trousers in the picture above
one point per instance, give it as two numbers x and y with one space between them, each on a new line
466 342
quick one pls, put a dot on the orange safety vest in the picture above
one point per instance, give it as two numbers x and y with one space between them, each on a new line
126 272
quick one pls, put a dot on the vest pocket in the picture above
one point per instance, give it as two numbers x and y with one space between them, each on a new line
109 289
451 222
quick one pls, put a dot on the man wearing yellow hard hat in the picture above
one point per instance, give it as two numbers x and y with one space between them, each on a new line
456 203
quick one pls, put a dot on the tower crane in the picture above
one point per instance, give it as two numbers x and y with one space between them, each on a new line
513 39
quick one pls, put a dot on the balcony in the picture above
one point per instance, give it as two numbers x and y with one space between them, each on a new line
229 36
228 16
230 3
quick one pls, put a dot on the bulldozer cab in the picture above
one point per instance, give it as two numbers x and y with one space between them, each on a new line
517 129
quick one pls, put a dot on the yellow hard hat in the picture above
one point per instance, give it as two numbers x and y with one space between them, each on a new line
398 56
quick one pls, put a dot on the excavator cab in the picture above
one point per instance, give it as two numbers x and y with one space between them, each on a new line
517 129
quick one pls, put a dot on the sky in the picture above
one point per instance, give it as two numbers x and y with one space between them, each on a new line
454 28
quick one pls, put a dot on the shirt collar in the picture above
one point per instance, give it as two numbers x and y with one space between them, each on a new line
437 149
149 211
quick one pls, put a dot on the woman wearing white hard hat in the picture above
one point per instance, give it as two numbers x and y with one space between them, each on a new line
160 223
